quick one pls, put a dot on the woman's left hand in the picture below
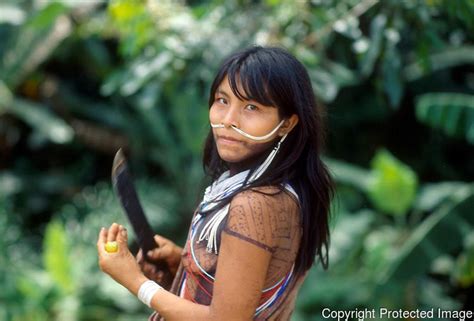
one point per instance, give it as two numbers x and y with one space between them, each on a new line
120 265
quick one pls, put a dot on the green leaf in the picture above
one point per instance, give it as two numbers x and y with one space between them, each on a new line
432 195
47 16
349 232
42 121
448 58
56 257
377 27
464 270
393 185
441 232
324 84
378 248
349 174
451 112
6 97
392 79
33 43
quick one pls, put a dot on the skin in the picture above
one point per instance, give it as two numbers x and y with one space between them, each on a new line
242 266
166 251
250 116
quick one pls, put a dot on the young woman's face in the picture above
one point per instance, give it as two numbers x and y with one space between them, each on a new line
249 116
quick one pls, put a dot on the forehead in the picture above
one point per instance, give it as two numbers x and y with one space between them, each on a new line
247 91
225 87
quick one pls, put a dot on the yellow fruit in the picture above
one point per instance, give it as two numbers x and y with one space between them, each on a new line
111 247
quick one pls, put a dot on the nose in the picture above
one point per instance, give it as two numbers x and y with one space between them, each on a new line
231 117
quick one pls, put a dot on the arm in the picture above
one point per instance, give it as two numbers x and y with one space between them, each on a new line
240 277
240 274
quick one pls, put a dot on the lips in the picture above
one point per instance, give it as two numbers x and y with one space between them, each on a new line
227 139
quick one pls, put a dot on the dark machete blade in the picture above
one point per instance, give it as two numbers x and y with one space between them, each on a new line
125 189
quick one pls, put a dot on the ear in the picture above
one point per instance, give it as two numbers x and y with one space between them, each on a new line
289 124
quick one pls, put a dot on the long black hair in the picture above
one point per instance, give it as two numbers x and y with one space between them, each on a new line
274 77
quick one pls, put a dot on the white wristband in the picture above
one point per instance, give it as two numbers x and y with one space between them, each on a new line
147 290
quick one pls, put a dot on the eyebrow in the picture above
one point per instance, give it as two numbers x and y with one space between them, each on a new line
221 92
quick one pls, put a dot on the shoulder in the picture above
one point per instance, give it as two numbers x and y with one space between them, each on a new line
261 214
263 199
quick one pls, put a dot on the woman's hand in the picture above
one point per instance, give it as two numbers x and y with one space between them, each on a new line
167 251
120 265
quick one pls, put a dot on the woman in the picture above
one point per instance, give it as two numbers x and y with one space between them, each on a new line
264 218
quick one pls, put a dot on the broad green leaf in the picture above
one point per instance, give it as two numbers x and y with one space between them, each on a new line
432 195
349 174
441 232
35 41
393 185
451 112
448 58
42 121
47 16
56 258
341 75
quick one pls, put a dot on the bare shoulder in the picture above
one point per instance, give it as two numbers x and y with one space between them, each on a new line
260 215
265 197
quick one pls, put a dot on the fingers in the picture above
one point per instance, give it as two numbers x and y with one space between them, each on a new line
116 233
157 254
102 239
163 249
122 236
149 270
139 256
160 240
113 231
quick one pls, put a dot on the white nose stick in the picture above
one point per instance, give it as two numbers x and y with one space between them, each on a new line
257 138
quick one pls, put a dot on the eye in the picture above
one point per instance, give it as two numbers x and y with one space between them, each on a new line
221 100
251 107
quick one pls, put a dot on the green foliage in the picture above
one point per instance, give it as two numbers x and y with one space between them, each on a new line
34 42
79 81
453 113
426 242
46 125
464 270
56 257
392 188
133 20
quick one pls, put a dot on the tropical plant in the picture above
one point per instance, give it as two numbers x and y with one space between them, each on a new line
78 81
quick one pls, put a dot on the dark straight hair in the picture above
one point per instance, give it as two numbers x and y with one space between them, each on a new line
274 77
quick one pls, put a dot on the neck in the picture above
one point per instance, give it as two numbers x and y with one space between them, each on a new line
235 168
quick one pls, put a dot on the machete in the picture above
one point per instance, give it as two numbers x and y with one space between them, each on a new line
125 189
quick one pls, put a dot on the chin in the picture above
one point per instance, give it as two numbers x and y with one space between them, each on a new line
230 158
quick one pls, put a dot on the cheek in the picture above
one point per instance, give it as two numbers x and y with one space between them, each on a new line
242 151
257 148
214 116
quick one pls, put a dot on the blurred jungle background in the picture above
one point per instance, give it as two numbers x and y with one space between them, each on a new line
80 79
